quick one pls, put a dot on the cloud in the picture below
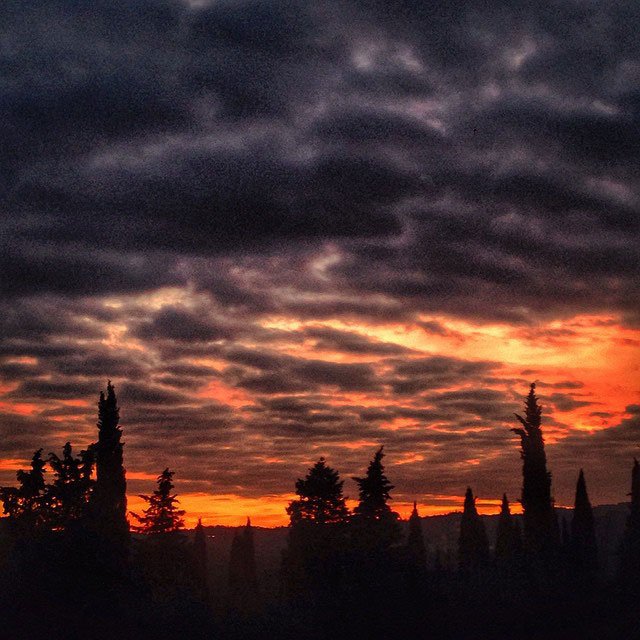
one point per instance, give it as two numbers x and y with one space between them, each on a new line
217 136
181 325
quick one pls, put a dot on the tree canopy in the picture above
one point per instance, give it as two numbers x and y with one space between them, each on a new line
321 500
162 515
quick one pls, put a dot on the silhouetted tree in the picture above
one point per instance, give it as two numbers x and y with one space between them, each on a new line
318 518
27 505
109 499
243 579
70 491
375 524
508 543
473 545
321 501
162 515
415 540
541 533
201 562
162 554
584 551
630 551
565 535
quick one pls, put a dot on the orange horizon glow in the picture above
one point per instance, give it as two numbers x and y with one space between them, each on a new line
593 350
269 512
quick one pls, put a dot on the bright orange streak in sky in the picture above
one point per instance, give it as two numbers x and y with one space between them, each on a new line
226 509
593 350
219 391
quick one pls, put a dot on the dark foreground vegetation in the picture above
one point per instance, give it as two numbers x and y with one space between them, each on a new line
70 567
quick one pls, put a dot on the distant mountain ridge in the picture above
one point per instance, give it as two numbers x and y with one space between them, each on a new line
440 534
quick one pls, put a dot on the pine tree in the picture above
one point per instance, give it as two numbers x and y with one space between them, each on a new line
163 554
376 525
508 542
201 562
415 540
162 515
630 551
541 533
473 545
109 499
321 501
317 534
243 580
70 491
584 550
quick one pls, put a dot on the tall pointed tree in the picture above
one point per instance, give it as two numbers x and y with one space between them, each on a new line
201 562
565 535
243 580
508 542
374 521
584 550
541 533
109 499
473 544
415 540
630 552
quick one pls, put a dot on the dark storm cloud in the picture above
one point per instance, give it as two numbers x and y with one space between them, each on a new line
43 389
349 342
435 372
565 402
238 126
298 374
36 320
181 325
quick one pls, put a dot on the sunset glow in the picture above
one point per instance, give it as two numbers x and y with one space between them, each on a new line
367 232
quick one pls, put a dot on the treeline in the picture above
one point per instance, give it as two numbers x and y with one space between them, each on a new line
71 566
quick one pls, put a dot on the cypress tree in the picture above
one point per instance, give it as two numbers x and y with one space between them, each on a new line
243 580
630 552
201 562
565 535
541 532
584 549
508 535
473 545
251 572
375 523
415 540
109 499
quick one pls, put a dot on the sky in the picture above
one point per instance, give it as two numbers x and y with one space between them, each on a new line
295 229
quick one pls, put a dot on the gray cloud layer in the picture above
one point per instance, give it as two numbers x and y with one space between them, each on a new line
453 153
